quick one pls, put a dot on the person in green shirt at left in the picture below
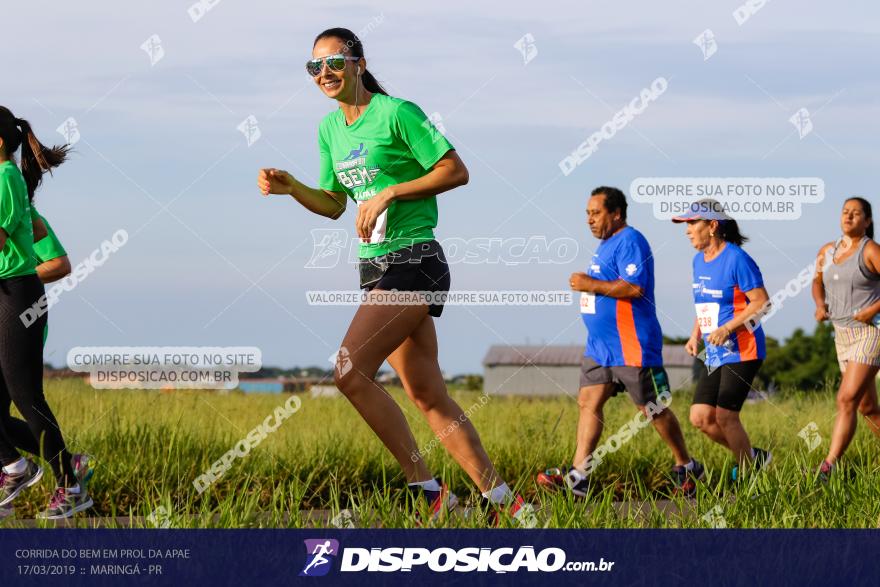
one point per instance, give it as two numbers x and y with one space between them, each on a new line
21 351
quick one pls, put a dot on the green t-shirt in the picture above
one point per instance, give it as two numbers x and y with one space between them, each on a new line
48 247
17 256
391 142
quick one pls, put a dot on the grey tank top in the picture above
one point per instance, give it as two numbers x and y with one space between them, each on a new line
849 286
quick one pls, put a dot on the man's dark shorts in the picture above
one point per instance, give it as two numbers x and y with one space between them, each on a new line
643 384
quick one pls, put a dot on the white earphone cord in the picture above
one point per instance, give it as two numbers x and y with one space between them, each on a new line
357 92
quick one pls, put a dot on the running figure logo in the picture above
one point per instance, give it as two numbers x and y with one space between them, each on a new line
707 43
250 128
357 153
69 129
327 247
319 559
153 47
802 122
527 47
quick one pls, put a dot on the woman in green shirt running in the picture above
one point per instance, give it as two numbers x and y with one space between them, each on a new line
384 153
21 344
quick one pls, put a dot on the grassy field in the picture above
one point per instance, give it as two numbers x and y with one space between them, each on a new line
151 446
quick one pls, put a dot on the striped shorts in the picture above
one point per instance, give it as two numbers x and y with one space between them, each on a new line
859 345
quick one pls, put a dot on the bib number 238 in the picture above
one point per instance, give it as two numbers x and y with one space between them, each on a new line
707 317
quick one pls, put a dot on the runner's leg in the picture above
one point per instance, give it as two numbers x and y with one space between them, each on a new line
591 403
415 361
849 396
737 438
667 427
869 408
375 332
702 416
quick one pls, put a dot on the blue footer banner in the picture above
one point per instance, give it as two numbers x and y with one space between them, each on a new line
464 557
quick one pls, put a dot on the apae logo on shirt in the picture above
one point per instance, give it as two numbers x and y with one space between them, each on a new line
631 269
701 289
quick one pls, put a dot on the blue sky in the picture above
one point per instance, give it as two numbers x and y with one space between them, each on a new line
211 262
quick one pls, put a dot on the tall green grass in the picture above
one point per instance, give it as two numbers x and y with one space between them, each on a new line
150 446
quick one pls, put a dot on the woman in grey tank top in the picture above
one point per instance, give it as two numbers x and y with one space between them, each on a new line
846 290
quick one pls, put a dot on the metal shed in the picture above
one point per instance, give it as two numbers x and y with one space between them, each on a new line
552 370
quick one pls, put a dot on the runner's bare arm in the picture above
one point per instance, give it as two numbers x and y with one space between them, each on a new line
40 230
693 344
818 289
758 299
321 202
448 173
54 269
618 288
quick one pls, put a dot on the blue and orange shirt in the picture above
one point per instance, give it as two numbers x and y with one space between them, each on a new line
719 296
623 332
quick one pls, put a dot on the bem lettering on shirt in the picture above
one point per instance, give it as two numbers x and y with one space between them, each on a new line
623 332
391 142
719 296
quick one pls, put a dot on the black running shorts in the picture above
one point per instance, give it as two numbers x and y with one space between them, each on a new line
421 267
728 385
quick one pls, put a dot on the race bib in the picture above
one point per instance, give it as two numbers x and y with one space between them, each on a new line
707 316
379 230
588 303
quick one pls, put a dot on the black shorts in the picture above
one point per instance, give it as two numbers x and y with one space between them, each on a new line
727 386
421 267
643 384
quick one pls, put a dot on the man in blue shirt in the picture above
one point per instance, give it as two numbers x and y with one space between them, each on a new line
623 351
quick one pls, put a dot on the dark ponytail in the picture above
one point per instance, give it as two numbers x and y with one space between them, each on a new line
36 158
866 209
372 84
728 230
356 49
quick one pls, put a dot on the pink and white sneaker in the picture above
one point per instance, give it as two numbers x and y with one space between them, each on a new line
65 504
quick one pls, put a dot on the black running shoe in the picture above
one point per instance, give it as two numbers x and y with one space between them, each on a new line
686 481
439 503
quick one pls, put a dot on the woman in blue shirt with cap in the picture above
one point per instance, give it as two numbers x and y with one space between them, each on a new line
729 297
